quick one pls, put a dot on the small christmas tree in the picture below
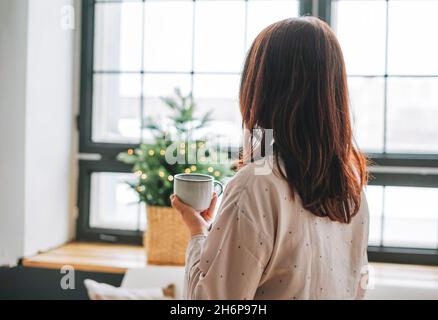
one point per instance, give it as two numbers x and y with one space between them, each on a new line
154 184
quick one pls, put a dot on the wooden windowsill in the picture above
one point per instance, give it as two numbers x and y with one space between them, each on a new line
92 257
115 258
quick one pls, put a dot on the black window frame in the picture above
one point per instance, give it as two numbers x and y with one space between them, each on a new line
396 161
107 152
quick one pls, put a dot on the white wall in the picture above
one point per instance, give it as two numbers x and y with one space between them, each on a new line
49 123
13 43
38 92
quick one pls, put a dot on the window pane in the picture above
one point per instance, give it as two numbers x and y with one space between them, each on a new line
367 108
157 86
263 13
168 35
219 36
411 217
116 108
114 205
360 26
413 115
118 36
375 205
219 94
413 37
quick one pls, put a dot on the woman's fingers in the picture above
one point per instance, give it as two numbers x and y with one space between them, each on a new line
179 205
195 223
184 209
208 214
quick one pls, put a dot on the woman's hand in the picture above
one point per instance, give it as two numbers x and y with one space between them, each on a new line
197 223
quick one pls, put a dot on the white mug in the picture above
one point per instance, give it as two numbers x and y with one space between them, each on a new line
196 189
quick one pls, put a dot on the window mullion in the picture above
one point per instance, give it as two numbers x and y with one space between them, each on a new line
192 73
306 7
324 10
382 217
142 93
385 92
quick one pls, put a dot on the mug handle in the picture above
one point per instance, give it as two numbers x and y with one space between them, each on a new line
220 186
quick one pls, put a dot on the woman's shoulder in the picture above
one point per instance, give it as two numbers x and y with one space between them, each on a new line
256 194
258 175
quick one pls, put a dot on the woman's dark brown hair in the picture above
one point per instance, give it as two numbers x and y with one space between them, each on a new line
294 82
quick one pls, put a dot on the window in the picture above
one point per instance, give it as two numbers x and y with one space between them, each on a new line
391 60
144 49
137 51
114 205
403 216
390 54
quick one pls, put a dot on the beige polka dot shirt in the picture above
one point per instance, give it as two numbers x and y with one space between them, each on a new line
264 245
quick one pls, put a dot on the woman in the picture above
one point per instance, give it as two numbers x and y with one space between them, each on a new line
301 231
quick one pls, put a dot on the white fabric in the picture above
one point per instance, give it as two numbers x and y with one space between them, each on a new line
102 291
155 277
265 245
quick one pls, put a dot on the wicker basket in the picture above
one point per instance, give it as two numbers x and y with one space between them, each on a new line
166 237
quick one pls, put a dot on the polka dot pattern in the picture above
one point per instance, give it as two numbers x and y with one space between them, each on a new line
311 259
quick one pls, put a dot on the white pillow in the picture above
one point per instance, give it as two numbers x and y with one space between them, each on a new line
102 291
